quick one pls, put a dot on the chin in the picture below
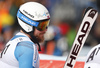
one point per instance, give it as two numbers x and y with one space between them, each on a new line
40 39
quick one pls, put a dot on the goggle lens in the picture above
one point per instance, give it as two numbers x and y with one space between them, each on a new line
43 25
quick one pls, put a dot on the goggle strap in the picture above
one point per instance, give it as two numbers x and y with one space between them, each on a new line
27 20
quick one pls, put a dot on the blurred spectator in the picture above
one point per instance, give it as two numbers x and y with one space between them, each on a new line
6 20
8 10
71 34
51 37
62 43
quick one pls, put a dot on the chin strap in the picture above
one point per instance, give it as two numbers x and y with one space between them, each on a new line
33 38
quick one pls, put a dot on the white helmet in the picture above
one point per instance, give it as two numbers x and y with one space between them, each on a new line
33 14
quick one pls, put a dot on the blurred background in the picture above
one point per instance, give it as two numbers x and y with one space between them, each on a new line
66 17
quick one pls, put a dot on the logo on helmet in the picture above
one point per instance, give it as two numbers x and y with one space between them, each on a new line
27 20
28 13
41 15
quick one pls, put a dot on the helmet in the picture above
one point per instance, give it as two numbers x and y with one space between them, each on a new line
33 14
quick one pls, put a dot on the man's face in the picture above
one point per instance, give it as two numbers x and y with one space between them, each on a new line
39 35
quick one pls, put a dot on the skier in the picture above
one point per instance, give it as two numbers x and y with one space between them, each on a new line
22 51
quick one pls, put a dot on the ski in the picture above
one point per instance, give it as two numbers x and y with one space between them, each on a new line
89 18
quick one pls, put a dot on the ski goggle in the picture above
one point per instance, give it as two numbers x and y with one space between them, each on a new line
43 25
40 25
